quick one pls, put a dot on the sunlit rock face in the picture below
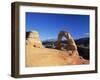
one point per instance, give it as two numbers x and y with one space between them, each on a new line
37 55
33 40
71 43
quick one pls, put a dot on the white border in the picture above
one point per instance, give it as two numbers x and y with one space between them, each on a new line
36 70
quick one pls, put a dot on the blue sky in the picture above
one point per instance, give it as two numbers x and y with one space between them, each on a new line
49 25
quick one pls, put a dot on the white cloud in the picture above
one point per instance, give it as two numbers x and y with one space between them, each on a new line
87 34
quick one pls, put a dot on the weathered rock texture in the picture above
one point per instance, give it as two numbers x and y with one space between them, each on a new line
36 55
33 40
71 43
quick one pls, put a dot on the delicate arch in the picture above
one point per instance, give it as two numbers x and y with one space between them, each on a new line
70 41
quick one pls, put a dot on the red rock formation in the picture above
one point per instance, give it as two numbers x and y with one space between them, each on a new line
39 56
71 48
70 40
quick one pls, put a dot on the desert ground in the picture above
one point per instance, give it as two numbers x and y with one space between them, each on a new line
37 55
51 57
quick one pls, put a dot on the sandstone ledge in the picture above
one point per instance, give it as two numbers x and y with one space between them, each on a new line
36 57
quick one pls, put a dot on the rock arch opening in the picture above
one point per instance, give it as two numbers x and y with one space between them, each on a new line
71 45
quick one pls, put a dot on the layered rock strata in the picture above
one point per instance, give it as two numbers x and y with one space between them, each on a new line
33 40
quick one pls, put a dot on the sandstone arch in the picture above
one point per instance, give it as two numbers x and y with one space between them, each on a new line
70 41
37 55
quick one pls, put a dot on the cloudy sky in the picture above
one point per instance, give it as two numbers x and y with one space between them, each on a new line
49 25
